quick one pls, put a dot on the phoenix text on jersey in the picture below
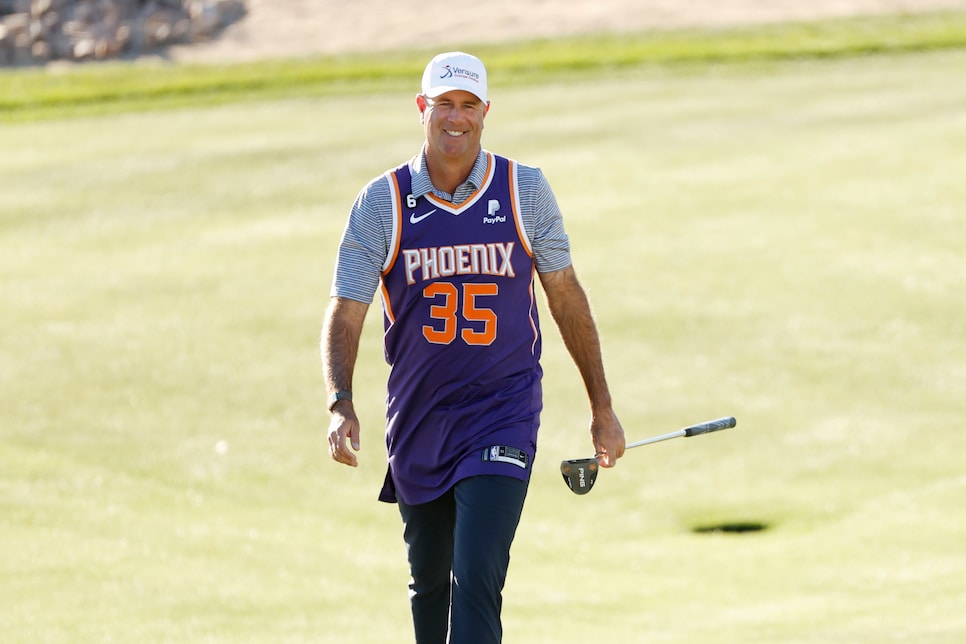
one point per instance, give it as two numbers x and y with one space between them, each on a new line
468 259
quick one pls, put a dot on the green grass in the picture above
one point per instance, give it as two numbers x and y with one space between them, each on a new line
780 240
119 87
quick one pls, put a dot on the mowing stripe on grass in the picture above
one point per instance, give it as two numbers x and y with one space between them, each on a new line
120 87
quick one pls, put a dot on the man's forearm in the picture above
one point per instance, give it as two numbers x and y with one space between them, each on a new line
571 311
340 342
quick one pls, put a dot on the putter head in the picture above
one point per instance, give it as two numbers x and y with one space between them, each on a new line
580 474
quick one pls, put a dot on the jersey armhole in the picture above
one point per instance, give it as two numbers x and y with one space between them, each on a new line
522 231
396 199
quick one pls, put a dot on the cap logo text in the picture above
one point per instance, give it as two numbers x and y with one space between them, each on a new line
459 72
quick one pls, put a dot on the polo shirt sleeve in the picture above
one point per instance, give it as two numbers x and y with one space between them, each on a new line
543 221
365 244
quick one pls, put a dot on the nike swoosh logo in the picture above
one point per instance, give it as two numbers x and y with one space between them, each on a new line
413 219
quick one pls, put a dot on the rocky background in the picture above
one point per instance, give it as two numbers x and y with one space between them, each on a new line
34 32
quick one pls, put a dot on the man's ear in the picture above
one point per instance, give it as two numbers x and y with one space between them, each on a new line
421 105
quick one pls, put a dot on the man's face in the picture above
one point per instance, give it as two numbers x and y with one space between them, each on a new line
453 122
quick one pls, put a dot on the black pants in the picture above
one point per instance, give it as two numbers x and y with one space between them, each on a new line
459 551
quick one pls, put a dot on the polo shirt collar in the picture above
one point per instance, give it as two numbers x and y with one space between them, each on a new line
423 185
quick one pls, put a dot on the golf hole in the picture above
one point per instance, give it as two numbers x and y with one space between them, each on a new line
731 527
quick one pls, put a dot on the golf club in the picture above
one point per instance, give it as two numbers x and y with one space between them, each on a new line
580 473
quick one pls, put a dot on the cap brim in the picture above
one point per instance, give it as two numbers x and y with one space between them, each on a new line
442 89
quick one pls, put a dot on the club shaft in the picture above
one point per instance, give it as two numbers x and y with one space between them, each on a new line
693 430
657 439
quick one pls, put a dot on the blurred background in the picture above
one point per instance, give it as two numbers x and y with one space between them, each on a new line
38 31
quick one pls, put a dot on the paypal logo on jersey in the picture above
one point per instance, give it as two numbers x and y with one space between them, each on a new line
491 209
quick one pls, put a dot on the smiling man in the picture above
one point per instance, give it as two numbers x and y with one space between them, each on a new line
454 240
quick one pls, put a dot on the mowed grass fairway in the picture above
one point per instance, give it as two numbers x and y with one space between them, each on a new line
782 242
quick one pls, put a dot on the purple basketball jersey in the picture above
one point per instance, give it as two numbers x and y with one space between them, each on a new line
461 337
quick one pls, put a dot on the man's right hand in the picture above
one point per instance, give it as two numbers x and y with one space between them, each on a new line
343 432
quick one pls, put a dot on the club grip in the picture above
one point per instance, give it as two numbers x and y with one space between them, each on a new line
710 426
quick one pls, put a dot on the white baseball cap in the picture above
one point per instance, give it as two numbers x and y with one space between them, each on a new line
452 71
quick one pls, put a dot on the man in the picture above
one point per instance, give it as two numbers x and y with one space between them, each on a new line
453 239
